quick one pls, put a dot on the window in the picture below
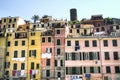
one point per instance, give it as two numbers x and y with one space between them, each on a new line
15 20
10 20
34 75
91 69
4 20
48 62
13 25
32 53
23 43
70 30
23 53
68 43
114 42
37 66
7 53
61 62
117 69
86 43
66 70
15 66
49 50
74 70
94 42
91 55
8 26
22 66
107 56
105 43
58 51
16 43
78 31
99 70
32 33
76 43
58 41
58 31
8 43
97 29
73 56
49 39
32 42
7 64
102 29
32 65
84 69
58 74
115 54
117 27
108 70
6 72
43 39
47 73
55 62
15 54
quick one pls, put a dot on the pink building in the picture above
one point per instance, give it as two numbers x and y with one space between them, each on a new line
92 58
47 57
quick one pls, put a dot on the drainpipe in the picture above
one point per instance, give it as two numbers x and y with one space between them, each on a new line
100 38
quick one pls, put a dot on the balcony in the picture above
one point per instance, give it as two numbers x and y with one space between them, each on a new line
20 35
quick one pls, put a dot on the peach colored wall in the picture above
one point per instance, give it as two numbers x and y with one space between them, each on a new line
110 49
43 50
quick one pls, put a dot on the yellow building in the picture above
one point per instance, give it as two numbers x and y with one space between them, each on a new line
16 55
81 30
12 23
2 55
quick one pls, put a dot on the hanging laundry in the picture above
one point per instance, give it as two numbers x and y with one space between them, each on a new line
13 73
30 71
18 73
22 72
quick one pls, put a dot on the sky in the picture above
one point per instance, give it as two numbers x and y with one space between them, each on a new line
59 9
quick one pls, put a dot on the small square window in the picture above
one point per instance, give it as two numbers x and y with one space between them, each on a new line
48 62
43 39
78 31
58 41
58 51
108 70
8 43
22 66
105 43
49 39
7 53
23 53
15 66
86 43
15 54
116 56
16 43
58 31
114 42
68 43
23 43
32 42
107 56
94 42
37 66
70 30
